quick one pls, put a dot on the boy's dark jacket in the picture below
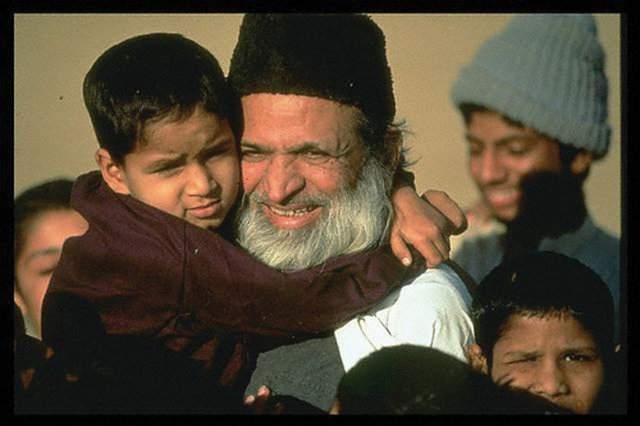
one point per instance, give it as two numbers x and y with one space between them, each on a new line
141 273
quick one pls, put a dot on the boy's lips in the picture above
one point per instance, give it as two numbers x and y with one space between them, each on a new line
204 211
291 217
499 198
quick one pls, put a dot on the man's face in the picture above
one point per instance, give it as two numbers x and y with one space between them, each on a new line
500 155
310 191
294 149
554 357
186 168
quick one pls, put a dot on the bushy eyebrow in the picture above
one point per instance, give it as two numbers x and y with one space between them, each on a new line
298 149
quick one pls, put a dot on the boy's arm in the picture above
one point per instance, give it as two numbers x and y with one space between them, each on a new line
425 223
141 266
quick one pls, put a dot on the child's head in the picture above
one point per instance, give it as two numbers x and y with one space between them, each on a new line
544 323
410 379
166 122
43 220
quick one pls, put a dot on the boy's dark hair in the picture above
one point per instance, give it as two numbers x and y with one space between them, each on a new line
542 284
409 379
150 77
47 196
567 152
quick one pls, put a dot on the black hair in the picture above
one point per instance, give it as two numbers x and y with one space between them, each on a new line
542 284
410 379
30 204
148 78
567 152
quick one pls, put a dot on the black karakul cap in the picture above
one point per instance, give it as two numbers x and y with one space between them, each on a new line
340 57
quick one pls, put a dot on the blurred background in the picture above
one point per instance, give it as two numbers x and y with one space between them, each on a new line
53 52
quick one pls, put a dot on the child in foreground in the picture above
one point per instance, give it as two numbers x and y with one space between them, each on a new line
149 273
410 380
544 323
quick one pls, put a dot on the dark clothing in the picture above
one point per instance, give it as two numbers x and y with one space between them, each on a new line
145 273
294 369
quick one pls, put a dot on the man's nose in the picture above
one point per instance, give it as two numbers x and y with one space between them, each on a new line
282 179
199 181
550 381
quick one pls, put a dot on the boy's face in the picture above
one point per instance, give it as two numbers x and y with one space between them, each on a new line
188 168
500 155
553 357
39 257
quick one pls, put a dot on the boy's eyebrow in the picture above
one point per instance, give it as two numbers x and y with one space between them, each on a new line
44 252
164 161
523 353
502 141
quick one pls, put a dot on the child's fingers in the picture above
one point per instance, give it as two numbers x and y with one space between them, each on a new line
432 252
456 218
400 249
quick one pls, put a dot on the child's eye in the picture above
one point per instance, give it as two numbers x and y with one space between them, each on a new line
218 151
577 357
475 149
167 170
46 272
523 360
518 147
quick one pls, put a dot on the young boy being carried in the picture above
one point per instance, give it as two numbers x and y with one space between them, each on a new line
149 269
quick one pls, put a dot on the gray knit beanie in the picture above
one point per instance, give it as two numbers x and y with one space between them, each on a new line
547 72
340 57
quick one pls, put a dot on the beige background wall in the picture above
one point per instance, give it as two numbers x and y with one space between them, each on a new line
53 135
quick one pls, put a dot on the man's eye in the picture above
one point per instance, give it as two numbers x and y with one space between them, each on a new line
316 156
250 155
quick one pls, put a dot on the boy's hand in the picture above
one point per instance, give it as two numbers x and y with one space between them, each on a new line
426 223
264 402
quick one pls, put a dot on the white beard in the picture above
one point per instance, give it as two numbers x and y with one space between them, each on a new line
353 220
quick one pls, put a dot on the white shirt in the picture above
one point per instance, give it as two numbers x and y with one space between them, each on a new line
431 311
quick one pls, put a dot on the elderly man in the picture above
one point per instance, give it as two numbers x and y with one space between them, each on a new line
319 151
534 102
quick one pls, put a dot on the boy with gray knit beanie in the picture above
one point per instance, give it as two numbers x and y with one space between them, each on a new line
534 102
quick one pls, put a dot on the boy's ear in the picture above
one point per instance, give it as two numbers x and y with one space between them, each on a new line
581 162
19 301
477 359
111 172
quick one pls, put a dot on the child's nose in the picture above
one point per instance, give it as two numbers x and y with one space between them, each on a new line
199 181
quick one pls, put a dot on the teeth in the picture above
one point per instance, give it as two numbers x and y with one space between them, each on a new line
500 195
290 213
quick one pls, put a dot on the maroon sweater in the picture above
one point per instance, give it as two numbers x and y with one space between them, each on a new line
147 273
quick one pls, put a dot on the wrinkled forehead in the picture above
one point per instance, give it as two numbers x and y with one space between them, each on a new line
270 116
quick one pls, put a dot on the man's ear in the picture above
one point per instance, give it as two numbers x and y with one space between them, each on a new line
477 359
394 142
581 162
111 172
